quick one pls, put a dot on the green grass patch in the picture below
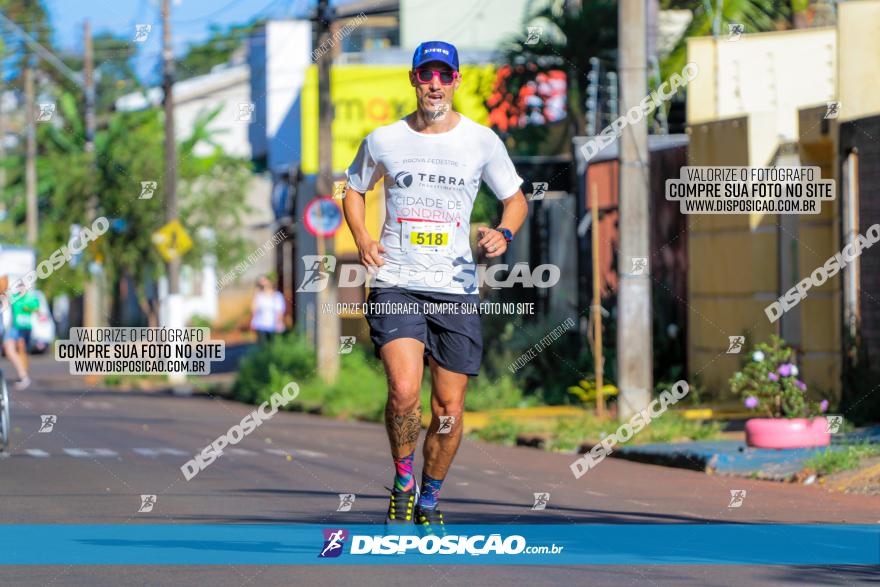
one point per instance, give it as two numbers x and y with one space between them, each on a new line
567 434
570 433
830 461
500 431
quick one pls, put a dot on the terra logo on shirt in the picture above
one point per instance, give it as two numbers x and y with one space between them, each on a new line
403 179
438 180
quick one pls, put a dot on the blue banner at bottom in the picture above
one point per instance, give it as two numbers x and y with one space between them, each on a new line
306 544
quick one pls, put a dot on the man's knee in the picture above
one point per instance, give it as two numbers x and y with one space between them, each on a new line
403 396
447 406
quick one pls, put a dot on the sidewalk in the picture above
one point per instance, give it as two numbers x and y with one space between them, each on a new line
733 457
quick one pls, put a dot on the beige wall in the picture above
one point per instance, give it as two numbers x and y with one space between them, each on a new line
770 91
858 58
732 259
734 267
774 73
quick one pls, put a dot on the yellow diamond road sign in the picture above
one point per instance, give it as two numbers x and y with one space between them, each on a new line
172 240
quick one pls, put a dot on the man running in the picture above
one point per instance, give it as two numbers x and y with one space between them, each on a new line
431 163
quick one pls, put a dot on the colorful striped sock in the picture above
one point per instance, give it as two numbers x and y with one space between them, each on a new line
403 478
430 491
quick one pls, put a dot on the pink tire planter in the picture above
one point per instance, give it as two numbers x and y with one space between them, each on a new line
787 433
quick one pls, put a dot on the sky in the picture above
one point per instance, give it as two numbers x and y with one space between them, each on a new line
190 21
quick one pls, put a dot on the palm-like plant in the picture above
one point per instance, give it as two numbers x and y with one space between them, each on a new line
570 38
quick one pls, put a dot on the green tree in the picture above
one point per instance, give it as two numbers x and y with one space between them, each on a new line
218 48
114 73
32 17
129 150
570 38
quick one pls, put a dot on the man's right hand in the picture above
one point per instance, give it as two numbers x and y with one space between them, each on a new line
370 252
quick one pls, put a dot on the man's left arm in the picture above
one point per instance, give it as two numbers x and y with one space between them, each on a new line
515 211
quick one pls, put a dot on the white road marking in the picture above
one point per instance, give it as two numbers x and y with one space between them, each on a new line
296 452
310 453
279 451
239 451
490 472
36 452
91 452
596 493
155 452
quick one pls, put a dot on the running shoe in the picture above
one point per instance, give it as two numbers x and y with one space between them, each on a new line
400 509
23 384
429 521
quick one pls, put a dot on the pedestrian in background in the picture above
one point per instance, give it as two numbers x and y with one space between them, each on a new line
267 310
23 309
9 343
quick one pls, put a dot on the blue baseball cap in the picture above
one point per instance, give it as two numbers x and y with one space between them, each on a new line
435 51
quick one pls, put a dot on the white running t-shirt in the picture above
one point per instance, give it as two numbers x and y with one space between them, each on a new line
431 181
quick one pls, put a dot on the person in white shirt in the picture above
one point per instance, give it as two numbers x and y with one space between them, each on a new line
267 310
431 164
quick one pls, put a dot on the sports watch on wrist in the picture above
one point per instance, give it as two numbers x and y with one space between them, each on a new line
508 236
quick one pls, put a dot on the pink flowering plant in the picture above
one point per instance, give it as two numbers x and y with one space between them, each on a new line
768 383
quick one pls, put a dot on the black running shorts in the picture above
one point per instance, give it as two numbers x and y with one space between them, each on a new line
447 324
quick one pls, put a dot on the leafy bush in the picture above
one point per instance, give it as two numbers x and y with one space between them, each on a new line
769 385
360 390
288 357
546 377
199 321
487 394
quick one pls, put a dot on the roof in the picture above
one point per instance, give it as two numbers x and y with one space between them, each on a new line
188 89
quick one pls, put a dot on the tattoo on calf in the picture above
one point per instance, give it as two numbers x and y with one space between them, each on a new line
403 429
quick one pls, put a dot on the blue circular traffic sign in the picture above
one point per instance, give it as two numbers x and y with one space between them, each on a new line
323 216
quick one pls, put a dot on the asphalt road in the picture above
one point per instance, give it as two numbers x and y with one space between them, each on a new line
107 448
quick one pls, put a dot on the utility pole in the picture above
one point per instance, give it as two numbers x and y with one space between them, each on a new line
173 311
170 145
328 333
92 306
598 359
635 359
30 167
89 81
173 314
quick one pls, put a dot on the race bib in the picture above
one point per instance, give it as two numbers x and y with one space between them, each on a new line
420 236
